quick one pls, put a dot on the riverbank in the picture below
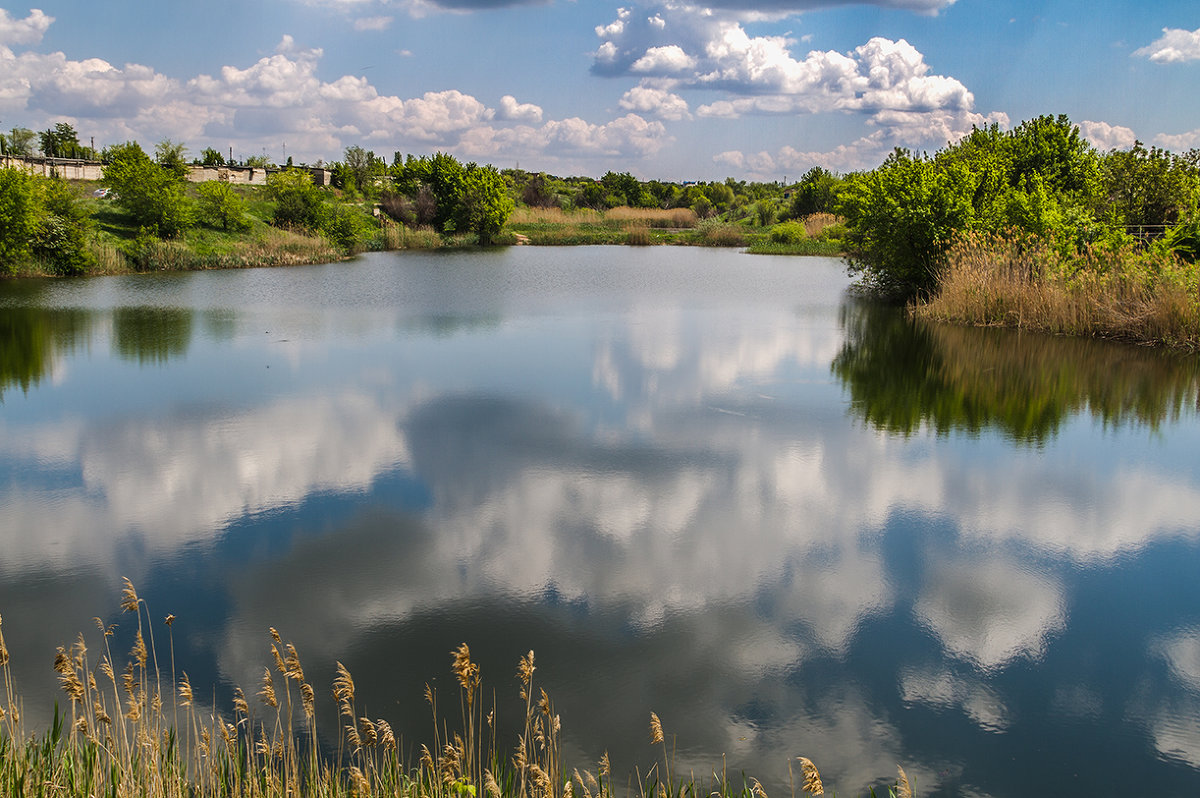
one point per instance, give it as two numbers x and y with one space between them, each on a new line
1146 296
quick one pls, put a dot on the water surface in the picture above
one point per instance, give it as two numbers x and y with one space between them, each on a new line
700 483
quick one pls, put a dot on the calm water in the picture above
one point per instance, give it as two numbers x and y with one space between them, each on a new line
695 482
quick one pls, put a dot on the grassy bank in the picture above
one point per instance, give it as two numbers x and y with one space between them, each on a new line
143 730
1145 295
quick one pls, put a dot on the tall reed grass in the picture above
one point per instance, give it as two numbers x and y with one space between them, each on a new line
140 730
1146 296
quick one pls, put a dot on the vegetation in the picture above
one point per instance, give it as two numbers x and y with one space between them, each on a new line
143 730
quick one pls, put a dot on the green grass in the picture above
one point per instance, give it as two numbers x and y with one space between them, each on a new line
809 246
141 730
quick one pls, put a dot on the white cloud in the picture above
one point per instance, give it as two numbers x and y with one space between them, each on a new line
1104 136
666 60
656 102
514 111
373 23
1174 46
1179 141
23 31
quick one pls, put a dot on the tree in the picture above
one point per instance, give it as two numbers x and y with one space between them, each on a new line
172 157
60 234
19 141
359 171
150 193
298 203
221 206
815 193
60 141
484 205
17 216
211 157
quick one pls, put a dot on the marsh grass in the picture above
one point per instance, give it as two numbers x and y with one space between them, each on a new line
556 227
139 730
1144 296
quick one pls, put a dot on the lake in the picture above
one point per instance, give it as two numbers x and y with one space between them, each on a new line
709 485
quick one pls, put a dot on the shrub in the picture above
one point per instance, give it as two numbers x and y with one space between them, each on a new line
788 233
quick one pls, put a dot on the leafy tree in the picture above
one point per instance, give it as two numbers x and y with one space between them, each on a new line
359 170
903 216
211 157
19 141
1149 190
298 203
60 141
815 193
17 216
150 193
172 157
60 235
221 206
484 205
258 161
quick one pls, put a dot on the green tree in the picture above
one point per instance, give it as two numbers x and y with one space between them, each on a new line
211 157
815 193
359 171
18 216
903 216
151 194
484 205
19 141
61 232
172 157
221 206
60 141
298 203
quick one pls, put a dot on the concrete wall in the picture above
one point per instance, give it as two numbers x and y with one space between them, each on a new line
68 168
72 169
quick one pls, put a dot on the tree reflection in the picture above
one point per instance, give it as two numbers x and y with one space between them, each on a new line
30 338
903 373
151 335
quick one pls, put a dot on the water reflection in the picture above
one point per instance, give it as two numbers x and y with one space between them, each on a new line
658 491
151 334
903 374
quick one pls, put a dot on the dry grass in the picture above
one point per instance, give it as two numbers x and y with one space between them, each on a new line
816 223
622 217
139 732
1146 297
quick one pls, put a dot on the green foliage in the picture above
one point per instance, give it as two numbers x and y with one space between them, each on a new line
1184 238
359 172
1149 190
61 234
61 141
484 205
903 216
344 226
18 141
17 216
815 193
211 157
221 206
149 193
788 233
172 157
298 203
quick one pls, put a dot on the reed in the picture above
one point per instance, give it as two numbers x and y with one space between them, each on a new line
128 732
1144 296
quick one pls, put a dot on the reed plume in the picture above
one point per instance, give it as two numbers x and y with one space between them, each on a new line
811 778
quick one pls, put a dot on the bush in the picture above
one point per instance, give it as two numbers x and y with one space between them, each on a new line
150 193
788 233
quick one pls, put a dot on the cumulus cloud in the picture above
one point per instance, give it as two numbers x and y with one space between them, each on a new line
1179 141
512 110
912 130
658 102
1104 136
23 31
282 97
1174 46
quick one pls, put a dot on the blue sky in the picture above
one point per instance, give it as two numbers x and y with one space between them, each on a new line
663 88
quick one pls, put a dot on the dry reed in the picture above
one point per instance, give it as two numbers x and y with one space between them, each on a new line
1141 296
115 741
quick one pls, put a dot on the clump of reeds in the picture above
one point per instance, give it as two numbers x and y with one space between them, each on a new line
712 233
115 740
638 237
1018 281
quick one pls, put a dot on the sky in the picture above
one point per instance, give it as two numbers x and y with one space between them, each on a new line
664 89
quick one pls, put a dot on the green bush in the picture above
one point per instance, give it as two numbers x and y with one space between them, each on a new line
788 233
